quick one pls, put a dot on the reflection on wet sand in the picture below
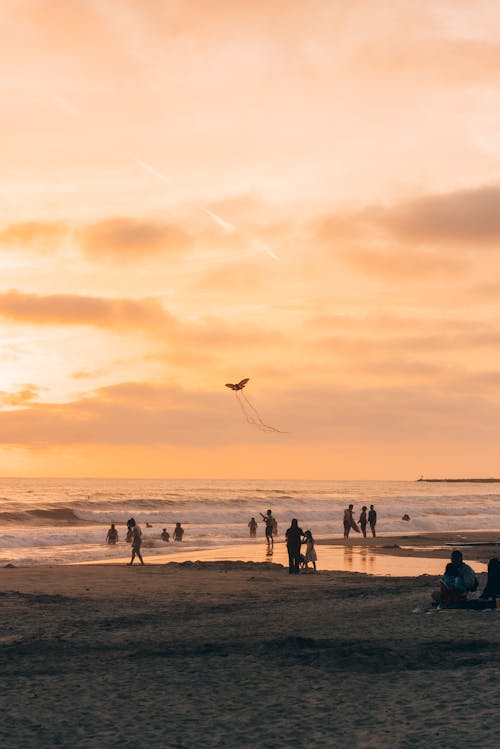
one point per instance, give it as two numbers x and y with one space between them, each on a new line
347 558
367 559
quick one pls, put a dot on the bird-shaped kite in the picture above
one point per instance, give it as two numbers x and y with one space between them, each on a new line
248 409
239 385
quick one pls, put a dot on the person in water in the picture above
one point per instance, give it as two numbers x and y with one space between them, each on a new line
269 521
492 589
253 527
310 555
136 541
363 520
178 532
294 537
372 519
112 535
165 536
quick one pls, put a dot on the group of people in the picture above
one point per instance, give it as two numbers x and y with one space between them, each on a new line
176 536
366 517
295 538
459 584
134 537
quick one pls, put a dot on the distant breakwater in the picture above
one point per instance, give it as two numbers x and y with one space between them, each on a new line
462 481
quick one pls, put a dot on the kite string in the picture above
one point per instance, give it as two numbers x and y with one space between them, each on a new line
259 423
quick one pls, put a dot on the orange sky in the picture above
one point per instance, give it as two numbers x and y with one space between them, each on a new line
305 193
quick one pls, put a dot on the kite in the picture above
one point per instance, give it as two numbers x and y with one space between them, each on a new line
248 409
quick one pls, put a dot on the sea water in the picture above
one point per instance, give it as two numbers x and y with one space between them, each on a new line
57 521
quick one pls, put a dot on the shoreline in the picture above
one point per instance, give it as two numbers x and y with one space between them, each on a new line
392 555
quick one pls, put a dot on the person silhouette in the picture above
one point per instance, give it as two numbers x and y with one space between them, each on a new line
136 541
178 532
294 537
372 520
112 535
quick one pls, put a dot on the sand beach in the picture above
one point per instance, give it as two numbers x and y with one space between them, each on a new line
207 654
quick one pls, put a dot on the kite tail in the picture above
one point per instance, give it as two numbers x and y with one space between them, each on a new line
257 420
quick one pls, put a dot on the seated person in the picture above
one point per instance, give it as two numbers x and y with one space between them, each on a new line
452 588
464 571
492 589
165 536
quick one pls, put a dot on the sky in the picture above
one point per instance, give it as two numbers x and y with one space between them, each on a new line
302 192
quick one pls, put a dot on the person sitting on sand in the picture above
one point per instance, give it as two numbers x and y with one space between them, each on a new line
253 527
269 521
165 536
294 537
492 589
310 555
178 532
136 541
112 535
372 519
363 520
452 588
464 571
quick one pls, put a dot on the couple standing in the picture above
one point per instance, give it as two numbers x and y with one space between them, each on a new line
295 536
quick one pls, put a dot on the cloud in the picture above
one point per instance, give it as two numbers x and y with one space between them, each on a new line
22 397
463 217
404 263
144 414
438 60
132 239
37 235
235 278
467 216
68 309
429 236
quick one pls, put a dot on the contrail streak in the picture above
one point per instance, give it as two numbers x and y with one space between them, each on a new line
228 227
149 168
218 220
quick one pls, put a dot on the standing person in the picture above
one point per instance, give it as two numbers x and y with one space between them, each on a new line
372 519
294 537
136 540
269 521
362 520
178 532
310 555
253 527
112 535
349 521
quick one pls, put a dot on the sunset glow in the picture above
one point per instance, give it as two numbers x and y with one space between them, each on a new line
302 193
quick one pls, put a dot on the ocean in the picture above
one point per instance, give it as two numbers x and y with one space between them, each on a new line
60 521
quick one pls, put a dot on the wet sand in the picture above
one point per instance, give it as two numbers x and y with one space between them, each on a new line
384 555
240 654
